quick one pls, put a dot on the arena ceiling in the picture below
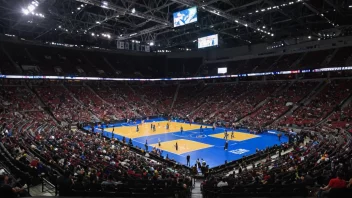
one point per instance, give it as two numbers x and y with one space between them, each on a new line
237 22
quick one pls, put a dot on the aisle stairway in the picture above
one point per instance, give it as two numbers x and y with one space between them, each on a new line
44 106
109 104
18 68
110 65
342 105
227 105
80 102
175 96
313 93
141 97
295 63
196 96
327 60
275 62
263 102
196 192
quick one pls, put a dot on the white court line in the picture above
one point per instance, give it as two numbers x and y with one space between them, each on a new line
180 135
224 145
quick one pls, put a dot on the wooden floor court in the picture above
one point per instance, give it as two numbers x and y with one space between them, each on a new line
207 145
238 136
184 146
145 129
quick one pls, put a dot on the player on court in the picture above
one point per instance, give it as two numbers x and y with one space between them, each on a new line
176 146
181 129
167 126
232 135
159 142
137 130
188 160
112 133
226 145
154 128
226 135
201 128
146 145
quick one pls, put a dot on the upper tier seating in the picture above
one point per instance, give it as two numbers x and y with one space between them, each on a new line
277 105
62 104
19 98
341 57
321 105
180 67
158 97
92 102
5 65
245 97
341 118
314 59
116 97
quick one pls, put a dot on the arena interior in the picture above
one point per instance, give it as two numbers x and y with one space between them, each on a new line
176 98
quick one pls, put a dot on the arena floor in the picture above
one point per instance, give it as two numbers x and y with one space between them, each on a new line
208 144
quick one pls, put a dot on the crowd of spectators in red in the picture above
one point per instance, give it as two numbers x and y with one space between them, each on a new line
34 137
321 105
62 104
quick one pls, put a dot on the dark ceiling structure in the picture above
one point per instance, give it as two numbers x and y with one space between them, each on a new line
237 22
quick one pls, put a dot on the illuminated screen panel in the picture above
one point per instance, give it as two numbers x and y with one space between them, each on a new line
222 70
208 41
184 17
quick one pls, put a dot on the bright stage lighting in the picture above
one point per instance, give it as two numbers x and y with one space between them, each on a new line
25 11
31 8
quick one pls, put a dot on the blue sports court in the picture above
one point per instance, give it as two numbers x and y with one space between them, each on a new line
207 144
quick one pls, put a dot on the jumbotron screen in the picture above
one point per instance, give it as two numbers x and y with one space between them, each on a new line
184 17
208 41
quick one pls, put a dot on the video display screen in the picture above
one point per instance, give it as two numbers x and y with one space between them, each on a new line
208 41
184 17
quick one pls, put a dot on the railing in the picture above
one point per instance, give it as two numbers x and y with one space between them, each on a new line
48 187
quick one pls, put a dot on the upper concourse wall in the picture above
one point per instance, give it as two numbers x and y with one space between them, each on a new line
212 55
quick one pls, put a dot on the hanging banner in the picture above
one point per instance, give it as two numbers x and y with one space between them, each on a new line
147 48
127 46
137 47
122 45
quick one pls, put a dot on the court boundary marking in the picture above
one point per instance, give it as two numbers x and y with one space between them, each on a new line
188 135
181 153
255 136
